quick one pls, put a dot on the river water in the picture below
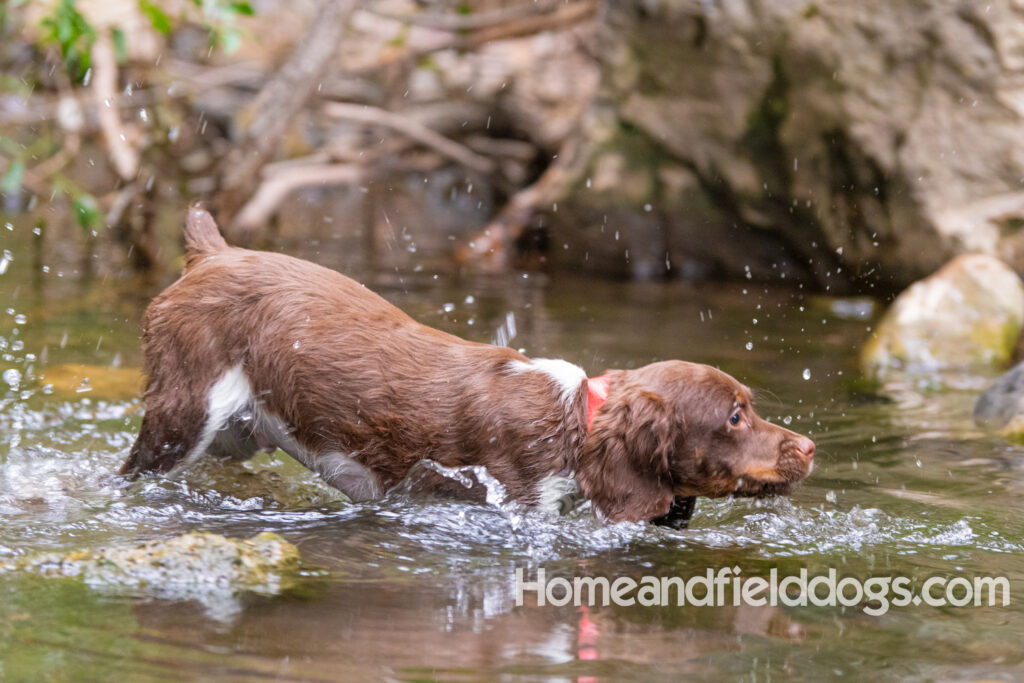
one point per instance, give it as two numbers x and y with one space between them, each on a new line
412 589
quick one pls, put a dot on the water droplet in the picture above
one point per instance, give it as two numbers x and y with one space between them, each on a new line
750 346
295 345
448 308
12 377
787 420
20 319
807 373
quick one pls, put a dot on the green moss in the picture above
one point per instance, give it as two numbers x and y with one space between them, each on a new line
641 155
763 136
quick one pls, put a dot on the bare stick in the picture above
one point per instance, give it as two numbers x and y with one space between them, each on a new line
274 189
489 248
464 22
565 17
123 155
280 100
414 130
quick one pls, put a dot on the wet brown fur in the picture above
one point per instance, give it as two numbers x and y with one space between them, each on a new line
368 380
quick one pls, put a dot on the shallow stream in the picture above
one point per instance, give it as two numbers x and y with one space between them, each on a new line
408 589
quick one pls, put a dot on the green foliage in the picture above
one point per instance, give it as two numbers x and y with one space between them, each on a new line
120 45
67 29
157 17
220 20
242 8
72 33
83 204
87 211
11 181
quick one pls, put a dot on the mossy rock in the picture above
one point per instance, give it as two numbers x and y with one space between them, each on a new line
966 317
265 563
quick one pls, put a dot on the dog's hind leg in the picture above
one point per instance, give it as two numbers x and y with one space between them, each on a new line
177 431
238 439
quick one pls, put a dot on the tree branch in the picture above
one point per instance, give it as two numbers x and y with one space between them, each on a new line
478 20
414 130
279 101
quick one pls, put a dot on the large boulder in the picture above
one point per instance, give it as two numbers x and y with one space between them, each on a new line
852 144
966 317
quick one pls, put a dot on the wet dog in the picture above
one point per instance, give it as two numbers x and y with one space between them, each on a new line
252 350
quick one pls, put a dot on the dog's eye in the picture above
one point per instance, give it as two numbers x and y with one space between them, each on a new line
734 419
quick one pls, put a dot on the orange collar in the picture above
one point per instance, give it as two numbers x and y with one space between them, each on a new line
597 394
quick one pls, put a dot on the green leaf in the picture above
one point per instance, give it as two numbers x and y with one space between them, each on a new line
157 17
230 39
72 32
86 210
120 45
242 7
11 181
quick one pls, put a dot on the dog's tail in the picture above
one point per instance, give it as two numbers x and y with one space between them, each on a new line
202 237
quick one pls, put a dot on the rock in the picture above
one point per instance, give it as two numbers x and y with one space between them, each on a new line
76 379
1001 407
966 317
265 563
858 145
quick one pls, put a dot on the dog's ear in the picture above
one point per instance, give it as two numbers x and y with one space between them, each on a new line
625 469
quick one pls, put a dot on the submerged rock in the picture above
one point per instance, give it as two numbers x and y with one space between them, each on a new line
1001 407
75 379
265 563
965 317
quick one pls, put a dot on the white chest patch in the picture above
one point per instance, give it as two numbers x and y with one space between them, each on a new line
567 377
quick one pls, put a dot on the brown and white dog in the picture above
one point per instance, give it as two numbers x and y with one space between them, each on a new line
251 350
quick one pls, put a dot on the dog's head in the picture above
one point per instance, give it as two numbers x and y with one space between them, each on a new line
683 429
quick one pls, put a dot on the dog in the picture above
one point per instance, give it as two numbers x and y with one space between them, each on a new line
251 351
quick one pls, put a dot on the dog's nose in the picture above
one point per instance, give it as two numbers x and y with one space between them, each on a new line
805 447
